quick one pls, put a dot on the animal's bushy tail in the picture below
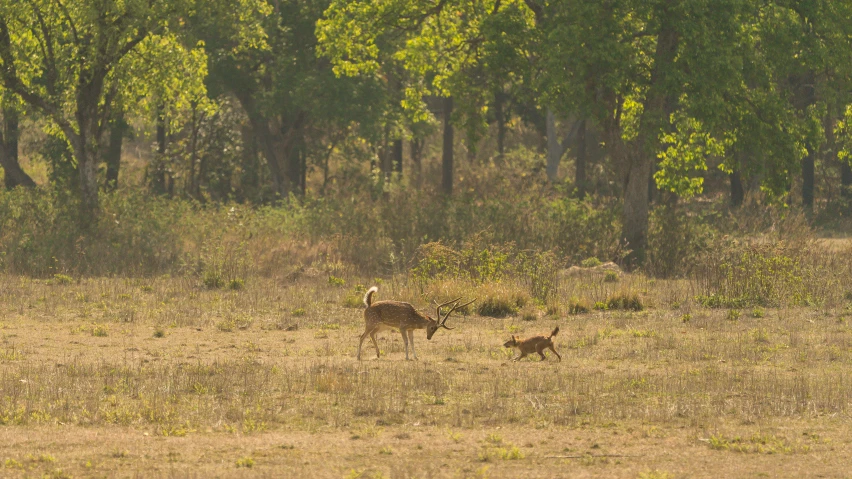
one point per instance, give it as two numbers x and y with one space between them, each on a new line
554 333
368 297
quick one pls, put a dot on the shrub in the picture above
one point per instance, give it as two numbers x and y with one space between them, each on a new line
499 300
62 279
496 307
761 274
578 306
626 300
590 262
100 331
529 314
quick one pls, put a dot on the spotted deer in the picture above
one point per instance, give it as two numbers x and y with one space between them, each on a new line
536 344
383 315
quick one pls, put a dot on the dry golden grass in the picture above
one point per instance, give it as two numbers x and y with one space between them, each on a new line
162 377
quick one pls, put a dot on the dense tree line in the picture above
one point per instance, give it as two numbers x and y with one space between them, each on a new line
247 96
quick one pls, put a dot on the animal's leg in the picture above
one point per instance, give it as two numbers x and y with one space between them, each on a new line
522 356
405 341
363 337
375 344
539 350
554 352
411 340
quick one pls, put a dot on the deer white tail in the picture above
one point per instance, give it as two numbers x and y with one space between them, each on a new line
368 297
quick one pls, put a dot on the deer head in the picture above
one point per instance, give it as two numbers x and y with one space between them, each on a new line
441 322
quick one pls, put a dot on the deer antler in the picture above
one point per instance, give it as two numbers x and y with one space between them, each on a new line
438 309
455 307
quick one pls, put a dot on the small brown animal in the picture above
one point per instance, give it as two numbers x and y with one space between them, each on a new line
536 344
403 317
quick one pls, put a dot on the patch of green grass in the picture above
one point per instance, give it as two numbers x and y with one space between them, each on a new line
100 330
335 281
611 277
298 312
62 279
246 462
236 284
353 301
511 453
756 444
655 474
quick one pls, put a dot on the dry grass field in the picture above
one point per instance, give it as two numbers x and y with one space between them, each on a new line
162 377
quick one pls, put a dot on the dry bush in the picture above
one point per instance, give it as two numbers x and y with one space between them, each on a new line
741 273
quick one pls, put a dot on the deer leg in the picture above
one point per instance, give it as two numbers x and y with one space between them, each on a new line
375 344
363 337
405 341
411 340
554 352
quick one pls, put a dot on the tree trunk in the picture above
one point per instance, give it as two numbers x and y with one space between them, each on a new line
112 157
397 157
804 97
193 181
302 153
158 178
447 157
581 157
86 154
554 148
641 154
636 206
417 161
846 180
808 180
737 191
500 116
14 174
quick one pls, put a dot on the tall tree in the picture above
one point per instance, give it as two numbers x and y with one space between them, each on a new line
59 57
14 175
296 106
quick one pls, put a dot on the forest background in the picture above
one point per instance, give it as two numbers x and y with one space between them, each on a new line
639 132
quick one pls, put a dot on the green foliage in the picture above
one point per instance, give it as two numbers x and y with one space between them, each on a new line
590 262
135 235
62 279
677 241
99 330
760 274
